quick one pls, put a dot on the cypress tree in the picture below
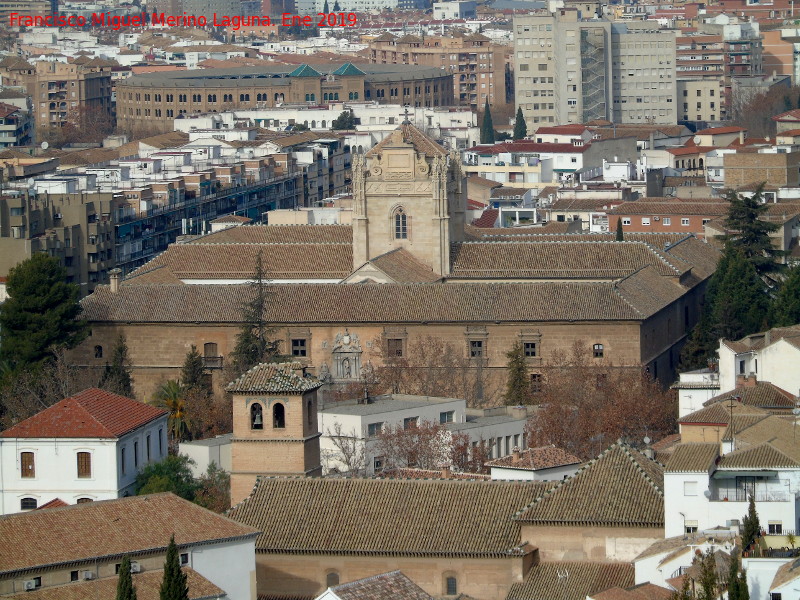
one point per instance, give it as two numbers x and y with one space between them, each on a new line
786 311
742 588
749 232
708 577
733 577
787 103
751 528
520 129
193 372
740 301
620 234
518 386
173 586
487 127
125 588
325 8
116 376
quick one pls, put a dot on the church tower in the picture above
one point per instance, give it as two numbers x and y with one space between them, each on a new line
275 429
408 193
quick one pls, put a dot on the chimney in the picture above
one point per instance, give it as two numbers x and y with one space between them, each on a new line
516 454
747 381
741 136
113 275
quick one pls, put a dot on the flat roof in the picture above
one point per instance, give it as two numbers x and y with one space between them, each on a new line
385 404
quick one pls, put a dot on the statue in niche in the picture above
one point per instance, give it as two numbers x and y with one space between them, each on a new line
324 373
346 356
346 371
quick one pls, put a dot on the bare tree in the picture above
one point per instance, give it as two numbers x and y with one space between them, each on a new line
426 445
350 450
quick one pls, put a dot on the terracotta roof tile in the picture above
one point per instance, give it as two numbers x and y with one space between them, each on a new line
82 532
763 394
232 219
720 130
642 207
148 585
54 503
787 572
643 591
619 487
720 414
401 266
487 219
409 135
409 473
392 585
274 378
297 516
92 413
763 456
280 234
546 457
547 581
693 457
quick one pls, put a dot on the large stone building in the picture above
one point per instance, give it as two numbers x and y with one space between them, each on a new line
423 273
152 101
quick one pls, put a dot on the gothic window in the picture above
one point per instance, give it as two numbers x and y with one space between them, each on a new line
278 416
400 224
256 417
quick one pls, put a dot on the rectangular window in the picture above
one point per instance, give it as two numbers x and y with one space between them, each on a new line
667 221
475 348
626 220
147 447
529 349
122 460
374 429
690 526
446 417
690 488
84 464
394 347
299 348
184 559
161 442
136 454
377 464
410 422
646 221
27 464
598 350
73 576
775 527
775 596
684 221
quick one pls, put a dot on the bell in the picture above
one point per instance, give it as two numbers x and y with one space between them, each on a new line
257 420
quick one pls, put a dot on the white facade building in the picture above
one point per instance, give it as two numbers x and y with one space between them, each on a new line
547 463
87 447
204 453
696 388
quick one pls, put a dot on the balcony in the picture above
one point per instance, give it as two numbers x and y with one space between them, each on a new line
212 362
739 495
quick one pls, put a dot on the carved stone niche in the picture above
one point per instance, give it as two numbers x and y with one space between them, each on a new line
346 357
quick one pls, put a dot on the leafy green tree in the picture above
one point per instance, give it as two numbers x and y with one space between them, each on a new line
487 127
116 377
41 312
253 345
125 588
749 232
174 585
193 373
741 301
751 527
518 386
173 474
520 129
171 396
786 308
620 233
345 120
214 489
733 576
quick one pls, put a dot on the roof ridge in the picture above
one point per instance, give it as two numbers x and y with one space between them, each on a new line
370 578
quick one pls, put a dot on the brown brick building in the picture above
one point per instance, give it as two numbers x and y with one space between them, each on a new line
666 217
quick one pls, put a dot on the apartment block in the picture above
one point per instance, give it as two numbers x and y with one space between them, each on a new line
478 65
700 100
15 126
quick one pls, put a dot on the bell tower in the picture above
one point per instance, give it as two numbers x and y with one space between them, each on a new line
408 193
275 430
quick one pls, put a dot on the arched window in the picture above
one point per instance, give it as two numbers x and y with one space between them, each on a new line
278 416
332 579
256 417
355 95
28 504
400 224
451 586
336 95
598 350
325 96
84 500
310 413
98 352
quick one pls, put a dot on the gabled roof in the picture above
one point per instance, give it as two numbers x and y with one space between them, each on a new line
83 532
305 71
763 456
692 458
408 135
54 503
786 573
348 69
382 517
720 414
546 457
232 219
619 487
642 591
791 116
392 585
763 395
402 267
274 378
92 413
280 234
720 130
570 580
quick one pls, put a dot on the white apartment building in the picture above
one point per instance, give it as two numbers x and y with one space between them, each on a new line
84 448
454 9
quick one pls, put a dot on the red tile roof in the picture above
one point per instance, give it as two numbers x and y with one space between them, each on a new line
720 130
529 146
54 503
92 413
562 129
789 115
487 219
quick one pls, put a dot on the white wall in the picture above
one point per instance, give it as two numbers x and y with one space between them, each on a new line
760 573
554 474
228 565
157 430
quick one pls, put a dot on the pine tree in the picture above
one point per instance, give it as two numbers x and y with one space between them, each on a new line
193 373
487 127
173 586
518 386
116 376
41 312
733 576
751 527
749 232
620 234
125 588
741 301
786 309
520 129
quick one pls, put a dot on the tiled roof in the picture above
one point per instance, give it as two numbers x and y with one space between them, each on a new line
758 341
274 378
402 267
348 69
487 219
54 503
763 394
787 572
584 204
7 109
82 532
562 130
546 457
571 580
529 146
280 234
383 516
388 303
790 115
153 274
305 71
763 456
232 219
409 473
238 261
640 207
692 457
92 413
406 135
619 487
392 585
557 260
720 130
720 414
148 585
643 591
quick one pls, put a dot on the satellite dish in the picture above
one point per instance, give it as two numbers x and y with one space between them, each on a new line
697 139
646 440
44 146
30 182
707 493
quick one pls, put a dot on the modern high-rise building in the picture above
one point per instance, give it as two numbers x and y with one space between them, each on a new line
574 70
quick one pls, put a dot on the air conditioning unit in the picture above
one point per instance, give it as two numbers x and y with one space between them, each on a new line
28 585
135 567
88 575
